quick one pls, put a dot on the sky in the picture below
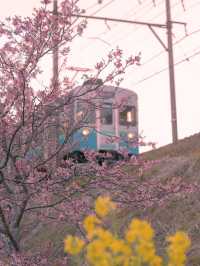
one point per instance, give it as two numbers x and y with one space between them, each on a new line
150 80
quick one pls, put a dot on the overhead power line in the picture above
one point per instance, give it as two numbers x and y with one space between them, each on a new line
133 12
186 59
102 7
168 48
144 9
155 56
158 25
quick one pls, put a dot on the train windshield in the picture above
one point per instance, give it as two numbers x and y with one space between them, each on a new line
85 112
106 114
127 116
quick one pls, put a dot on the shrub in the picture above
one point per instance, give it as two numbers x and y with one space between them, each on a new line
102 247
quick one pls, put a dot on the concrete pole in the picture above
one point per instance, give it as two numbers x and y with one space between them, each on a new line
171 72
55 81
55 50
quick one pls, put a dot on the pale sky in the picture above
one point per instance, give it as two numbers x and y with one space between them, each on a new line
153 93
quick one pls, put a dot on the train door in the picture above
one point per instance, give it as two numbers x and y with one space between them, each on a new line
107 130
85 138
128 128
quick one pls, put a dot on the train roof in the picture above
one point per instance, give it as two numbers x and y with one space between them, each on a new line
103 90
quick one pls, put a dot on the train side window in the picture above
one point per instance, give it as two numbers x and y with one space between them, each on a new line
85 112
128 116
107 114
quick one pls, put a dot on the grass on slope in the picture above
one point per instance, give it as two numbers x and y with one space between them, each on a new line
178 160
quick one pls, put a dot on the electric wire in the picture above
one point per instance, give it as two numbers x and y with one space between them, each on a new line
150 19
177 42
98 37
101 8
174 44
137 16
133 30
115 24
180 40
187 59
91 6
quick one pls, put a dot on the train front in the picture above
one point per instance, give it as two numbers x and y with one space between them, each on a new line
118 121
108 121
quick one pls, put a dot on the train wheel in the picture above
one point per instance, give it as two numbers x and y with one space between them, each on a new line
76 156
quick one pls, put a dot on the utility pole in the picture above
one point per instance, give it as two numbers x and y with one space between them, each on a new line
171 72
55 48
52 147
168 48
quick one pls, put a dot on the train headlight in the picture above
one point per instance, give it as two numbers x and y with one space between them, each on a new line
131 135
85 132
129 117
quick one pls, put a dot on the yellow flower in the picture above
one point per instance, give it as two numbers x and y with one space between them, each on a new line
97 253
179 244
119 246
146 250
103 206
73 245
104 235
156 261
139 230
121 252
137 248
180 239
90 223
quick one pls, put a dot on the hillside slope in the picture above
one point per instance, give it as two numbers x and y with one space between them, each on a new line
180 160
162 188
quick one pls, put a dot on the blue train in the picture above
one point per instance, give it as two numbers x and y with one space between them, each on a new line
106 119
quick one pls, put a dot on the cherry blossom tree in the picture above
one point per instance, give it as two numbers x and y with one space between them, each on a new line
35 183
32 179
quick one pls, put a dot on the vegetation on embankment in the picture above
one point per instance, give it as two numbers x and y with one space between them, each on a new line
162 187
